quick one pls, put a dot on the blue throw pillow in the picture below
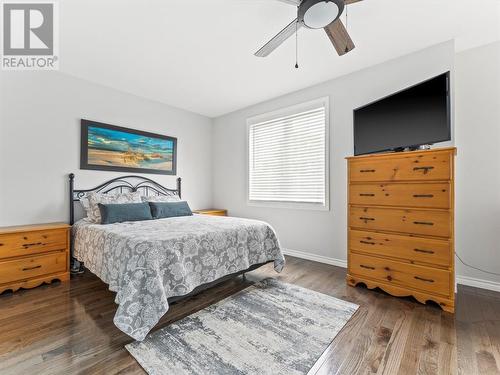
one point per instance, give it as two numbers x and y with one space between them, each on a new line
118 213
161 210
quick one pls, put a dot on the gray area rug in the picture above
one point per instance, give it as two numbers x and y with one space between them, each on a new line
268 328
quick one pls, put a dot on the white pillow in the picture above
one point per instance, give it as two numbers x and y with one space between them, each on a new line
161 198
91 202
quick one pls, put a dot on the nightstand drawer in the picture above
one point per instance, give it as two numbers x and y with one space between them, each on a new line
412 249
418 277
431 223
429 195
27 268
34 242
425 166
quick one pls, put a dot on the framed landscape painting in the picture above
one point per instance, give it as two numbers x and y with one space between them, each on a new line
113 148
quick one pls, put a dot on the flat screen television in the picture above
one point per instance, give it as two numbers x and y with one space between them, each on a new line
418 115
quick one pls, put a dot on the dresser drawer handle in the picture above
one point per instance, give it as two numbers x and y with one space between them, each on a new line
367 267
423 223
422 279
367 242
425 169
366 195
423 195
424 251
26 245
367 218
367 170
31 268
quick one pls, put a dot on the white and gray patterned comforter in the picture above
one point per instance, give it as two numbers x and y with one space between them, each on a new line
147 262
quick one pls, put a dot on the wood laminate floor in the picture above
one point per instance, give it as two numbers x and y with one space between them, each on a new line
68 328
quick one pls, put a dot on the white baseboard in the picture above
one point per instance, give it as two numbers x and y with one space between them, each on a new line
478 283
462 280
316 258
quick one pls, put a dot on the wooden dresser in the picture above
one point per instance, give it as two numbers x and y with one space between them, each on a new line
33 254
400 224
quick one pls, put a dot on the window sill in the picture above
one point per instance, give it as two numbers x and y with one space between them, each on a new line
290 205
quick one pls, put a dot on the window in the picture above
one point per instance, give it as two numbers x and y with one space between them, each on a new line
288 157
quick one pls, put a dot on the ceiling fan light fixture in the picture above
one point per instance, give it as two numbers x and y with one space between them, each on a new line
316 14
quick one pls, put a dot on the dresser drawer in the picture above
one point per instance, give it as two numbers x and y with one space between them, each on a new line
26 268
413 249
427 166
430 195
35 242
402 274
424 222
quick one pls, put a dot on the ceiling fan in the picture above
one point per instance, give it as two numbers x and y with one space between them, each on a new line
315 14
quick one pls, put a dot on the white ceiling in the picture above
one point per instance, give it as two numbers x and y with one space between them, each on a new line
198 54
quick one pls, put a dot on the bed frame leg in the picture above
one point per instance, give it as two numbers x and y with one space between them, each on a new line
244 275
76 267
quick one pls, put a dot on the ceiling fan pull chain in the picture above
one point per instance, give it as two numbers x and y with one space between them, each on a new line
346 18
346 27
296 45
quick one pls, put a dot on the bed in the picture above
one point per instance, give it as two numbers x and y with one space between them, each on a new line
152 263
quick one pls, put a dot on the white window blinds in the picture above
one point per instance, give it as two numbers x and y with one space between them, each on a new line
287 157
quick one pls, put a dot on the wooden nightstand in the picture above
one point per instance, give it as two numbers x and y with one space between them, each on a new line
211 211
33 254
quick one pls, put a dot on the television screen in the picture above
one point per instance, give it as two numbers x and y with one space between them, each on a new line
415 116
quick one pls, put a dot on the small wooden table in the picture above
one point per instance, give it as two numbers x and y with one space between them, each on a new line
211 211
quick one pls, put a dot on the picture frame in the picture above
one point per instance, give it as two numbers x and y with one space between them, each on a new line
108 147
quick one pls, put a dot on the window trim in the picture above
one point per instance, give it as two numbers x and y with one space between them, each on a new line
294 109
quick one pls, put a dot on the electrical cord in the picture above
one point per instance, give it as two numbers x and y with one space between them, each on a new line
479 269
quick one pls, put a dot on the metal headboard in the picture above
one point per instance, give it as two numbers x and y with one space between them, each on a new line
121 184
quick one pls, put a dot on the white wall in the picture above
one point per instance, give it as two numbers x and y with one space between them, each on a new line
477 99
315 232
39 145
40 116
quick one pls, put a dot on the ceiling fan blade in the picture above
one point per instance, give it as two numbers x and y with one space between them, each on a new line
347 2
275 42
339 37
293 2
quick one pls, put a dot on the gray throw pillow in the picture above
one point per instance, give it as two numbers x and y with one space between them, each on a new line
162 210
118 213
